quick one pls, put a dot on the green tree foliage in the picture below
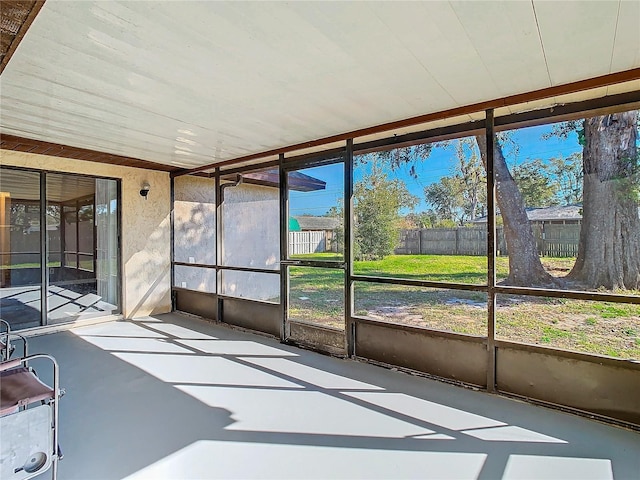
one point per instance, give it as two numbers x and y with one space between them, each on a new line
567 174
428 219
460 197
400 157
445 197
377 203
536 187
472 177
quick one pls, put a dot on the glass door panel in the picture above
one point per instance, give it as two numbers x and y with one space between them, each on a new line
20 251
82 254
107 251
315 249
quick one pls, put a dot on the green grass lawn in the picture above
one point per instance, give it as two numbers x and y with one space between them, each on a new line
437 268
594 327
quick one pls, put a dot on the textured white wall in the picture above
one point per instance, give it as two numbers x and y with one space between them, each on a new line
146 235
194 217
251 238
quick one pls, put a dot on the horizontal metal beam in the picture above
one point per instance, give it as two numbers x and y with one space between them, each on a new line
313 263
504 289
571 294
189 264
248 269
425 136
570 111
419 283
316 159
248 300
421 330
249 168
558 352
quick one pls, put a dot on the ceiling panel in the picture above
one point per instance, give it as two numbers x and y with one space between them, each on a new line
511 49
626 48
578 37
192 83
434 35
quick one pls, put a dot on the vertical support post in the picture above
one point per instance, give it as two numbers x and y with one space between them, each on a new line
119 241
218 257
491 253
5 238
284 247
350 324
172 194
44 247
63 237
95 235
77 204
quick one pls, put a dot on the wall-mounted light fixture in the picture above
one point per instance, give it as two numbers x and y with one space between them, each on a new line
144 191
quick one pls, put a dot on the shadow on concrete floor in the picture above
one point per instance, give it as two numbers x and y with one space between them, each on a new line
179 398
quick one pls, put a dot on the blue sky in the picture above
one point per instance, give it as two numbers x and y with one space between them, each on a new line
438 164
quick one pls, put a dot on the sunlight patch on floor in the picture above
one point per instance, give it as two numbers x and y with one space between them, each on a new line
303 412
565 468
311 375
235 347
207 370
239 460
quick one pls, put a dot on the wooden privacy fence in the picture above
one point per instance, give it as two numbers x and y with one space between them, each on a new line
552 240
557 240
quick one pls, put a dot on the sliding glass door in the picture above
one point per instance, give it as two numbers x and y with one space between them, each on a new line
60 235
21 248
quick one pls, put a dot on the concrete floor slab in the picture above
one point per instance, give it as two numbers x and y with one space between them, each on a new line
144 401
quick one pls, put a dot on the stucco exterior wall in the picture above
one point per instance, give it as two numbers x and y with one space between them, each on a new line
146 235
251 238
194 221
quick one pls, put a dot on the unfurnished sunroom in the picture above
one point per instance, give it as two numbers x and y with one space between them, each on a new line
159 157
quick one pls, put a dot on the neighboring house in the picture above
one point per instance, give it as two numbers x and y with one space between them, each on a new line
313 223
556 230
556 215
320 232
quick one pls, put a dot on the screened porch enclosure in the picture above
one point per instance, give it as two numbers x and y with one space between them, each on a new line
444 189
460 314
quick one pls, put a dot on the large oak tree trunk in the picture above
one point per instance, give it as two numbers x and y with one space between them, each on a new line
609 246
525 268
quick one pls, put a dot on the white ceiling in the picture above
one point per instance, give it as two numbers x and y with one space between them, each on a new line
191 83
